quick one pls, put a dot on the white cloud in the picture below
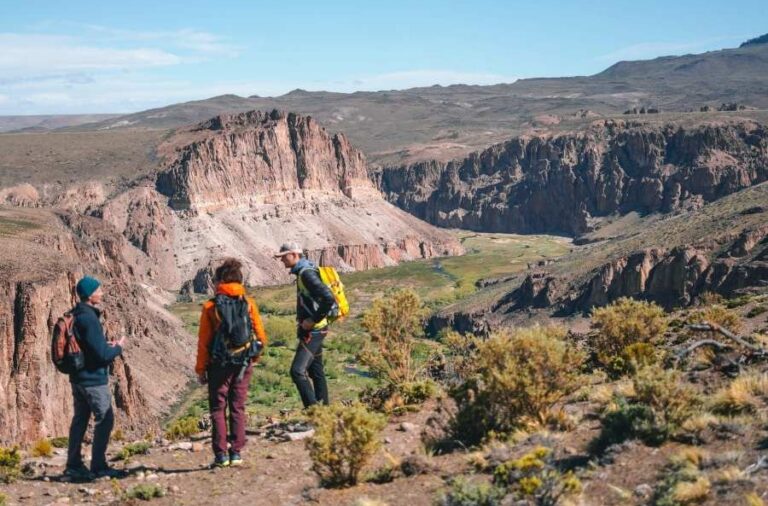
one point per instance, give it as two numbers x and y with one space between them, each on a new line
31 55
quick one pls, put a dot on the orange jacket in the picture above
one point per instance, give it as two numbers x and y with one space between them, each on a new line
208 323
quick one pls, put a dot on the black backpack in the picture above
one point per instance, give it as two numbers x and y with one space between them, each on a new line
65 350
233 343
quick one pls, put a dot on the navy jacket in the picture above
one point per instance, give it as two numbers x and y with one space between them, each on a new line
98 353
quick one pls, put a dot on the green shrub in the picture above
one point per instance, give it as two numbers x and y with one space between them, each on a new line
393 322
534 477
181 428
42 448
129 450
625 332
520 376
459 356
661 404
345 438
60 442
465 493
3 499
10 464
745 394
145 492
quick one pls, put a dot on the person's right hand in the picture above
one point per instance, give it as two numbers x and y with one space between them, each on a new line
120 342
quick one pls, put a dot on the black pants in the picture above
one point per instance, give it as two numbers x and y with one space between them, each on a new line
96 401
307 368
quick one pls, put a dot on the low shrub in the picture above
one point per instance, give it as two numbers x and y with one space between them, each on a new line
393 323
534 477
3 499
757 310
520 376
625 333
60 442
398 399
280 329
717 314
345 438
181 428
10 464
465 493
131 449
660 405
42 448
145 492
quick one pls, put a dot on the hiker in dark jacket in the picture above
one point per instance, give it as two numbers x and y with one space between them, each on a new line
314 300
90 385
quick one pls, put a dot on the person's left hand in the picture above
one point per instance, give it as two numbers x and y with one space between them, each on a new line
307 324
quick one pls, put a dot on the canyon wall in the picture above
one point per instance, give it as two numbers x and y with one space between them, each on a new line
556 184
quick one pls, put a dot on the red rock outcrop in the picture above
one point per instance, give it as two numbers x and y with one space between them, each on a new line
556 184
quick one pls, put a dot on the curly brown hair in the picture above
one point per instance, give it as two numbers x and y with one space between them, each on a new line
230 271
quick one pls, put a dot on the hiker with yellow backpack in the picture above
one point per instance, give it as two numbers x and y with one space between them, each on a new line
320 301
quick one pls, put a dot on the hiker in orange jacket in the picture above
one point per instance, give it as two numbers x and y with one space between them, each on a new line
225 357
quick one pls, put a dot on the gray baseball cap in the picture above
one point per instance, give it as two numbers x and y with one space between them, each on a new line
289 247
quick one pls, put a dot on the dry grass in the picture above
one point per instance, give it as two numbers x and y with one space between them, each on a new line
745 394
692 492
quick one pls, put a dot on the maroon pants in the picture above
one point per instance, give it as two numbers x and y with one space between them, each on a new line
225 390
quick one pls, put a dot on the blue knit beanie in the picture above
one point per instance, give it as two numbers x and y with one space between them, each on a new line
86 287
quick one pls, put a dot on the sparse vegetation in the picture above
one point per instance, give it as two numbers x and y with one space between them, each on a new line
345 439
626 332
466 493
60 442
10 464
520 376
145 492
534 477
661 404
42 448
717 314
131 449
683 482
181 428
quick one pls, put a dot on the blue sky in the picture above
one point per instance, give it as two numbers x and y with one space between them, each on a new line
100 56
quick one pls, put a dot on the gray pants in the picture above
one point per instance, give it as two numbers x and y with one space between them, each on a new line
96 401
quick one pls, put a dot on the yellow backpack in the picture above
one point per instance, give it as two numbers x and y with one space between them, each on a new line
331 278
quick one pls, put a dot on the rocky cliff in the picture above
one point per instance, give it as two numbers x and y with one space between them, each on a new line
43 256
243 184
558 184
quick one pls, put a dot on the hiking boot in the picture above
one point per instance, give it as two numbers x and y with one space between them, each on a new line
235 459
109 472
221 461
80 473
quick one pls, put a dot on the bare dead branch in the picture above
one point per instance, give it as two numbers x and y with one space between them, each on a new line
713 327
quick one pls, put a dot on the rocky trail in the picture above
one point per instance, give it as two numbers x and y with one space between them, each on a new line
277 470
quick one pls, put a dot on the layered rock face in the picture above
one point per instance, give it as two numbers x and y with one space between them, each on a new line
556 184
40 267
241 185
